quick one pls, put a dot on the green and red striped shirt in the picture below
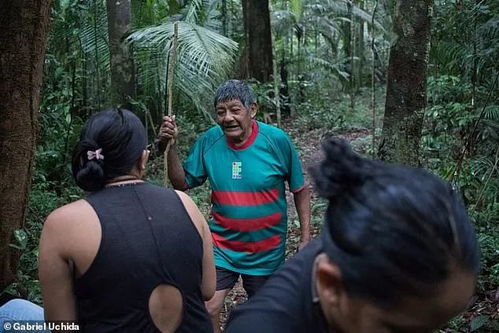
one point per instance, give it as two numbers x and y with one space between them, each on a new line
248 219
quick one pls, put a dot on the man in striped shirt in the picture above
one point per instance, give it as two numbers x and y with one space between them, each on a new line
247 164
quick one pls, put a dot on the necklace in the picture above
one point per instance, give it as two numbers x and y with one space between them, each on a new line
124 181
125 184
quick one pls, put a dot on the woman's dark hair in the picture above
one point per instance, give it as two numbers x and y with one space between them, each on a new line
393 231
121 138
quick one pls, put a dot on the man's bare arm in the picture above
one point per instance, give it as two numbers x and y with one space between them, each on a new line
176 172
302 204
168 133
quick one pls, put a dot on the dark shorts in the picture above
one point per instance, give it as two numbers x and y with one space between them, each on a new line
226 279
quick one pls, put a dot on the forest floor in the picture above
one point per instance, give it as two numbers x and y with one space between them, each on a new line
484 307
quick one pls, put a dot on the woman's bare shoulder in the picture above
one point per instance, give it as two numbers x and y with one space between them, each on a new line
75 211
193 211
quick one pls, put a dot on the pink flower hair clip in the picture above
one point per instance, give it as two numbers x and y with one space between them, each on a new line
95 154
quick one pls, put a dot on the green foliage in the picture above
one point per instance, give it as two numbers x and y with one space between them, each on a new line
334 112
318 208
453 122
297 8
460 135
204 60
43 199
466 39
341 9
479 324
487 221
264 93
322 40
150 12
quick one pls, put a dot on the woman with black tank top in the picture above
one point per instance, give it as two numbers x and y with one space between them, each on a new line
131 256
397 254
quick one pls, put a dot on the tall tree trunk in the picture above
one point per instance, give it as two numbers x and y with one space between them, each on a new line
301 76
360 49
406 86
122 73
284 91
24 26
244 63
258 39
346 31
353 74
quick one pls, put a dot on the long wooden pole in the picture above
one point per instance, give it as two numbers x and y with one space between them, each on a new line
169 91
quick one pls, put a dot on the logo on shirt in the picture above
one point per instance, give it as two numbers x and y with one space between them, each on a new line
236 170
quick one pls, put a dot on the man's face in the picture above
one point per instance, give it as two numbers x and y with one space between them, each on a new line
235 120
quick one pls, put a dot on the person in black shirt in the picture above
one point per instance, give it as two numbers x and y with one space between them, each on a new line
397 254
130 256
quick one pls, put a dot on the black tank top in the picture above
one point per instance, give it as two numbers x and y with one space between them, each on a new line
148 239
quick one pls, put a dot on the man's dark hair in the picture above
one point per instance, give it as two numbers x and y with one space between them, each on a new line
235 89
393 231
120 135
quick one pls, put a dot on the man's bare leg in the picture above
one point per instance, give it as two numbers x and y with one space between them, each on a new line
214 306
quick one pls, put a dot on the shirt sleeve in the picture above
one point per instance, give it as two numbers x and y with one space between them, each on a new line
194 168
292 165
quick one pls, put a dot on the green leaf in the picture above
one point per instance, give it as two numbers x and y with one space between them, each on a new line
21 238
478 322
297 8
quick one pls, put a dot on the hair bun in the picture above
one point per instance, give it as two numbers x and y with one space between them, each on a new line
88 174
342 170
91 176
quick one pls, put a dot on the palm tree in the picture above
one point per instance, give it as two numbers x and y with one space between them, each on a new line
204 57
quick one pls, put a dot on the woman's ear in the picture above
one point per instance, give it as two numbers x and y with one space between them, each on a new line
338 307
329 284
143 159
